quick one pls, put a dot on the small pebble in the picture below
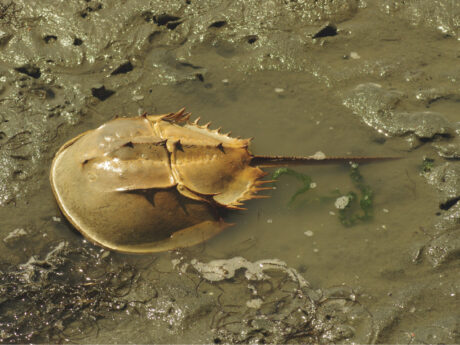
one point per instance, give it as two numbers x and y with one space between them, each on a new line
308 233
332 213
355 55
105 254
319 155
225 81
342 202
313 185
385 210
254 303
56 219
269 221
315 250
279 90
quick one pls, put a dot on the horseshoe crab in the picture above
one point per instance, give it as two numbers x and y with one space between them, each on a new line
156 182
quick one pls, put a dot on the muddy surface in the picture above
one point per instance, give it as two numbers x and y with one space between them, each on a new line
376 78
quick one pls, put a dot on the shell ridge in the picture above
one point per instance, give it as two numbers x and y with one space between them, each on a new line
189 193
172 164
224 139
179 116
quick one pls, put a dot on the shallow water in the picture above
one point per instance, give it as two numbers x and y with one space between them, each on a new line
393 279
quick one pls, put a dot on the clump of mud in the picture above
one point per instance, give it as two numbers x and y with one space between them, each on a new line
73 295
61 296
268 302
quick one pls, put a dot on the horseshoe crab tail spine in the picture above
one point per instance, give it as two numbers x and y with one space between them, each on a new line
271 161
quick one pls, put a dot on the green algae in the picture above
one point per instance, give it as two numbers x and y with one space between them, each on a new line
359 207
360 203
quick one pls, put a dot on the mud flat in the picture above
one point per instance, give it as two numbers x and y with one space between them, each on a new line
375 78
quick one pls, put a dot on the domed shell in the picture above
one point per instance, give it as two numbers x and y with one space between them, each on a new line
152 183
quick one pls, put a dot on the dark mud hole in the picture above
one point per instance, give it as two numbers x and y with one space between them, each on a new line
342 77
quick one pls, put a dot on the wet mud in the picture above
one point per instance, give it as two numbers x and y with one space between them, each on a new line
372 78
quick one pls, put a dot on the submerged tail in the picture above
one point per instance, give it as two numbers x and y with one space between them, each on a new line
270 161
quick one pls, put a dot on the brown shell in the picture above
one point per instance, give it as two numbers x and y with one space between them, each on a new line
152 183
